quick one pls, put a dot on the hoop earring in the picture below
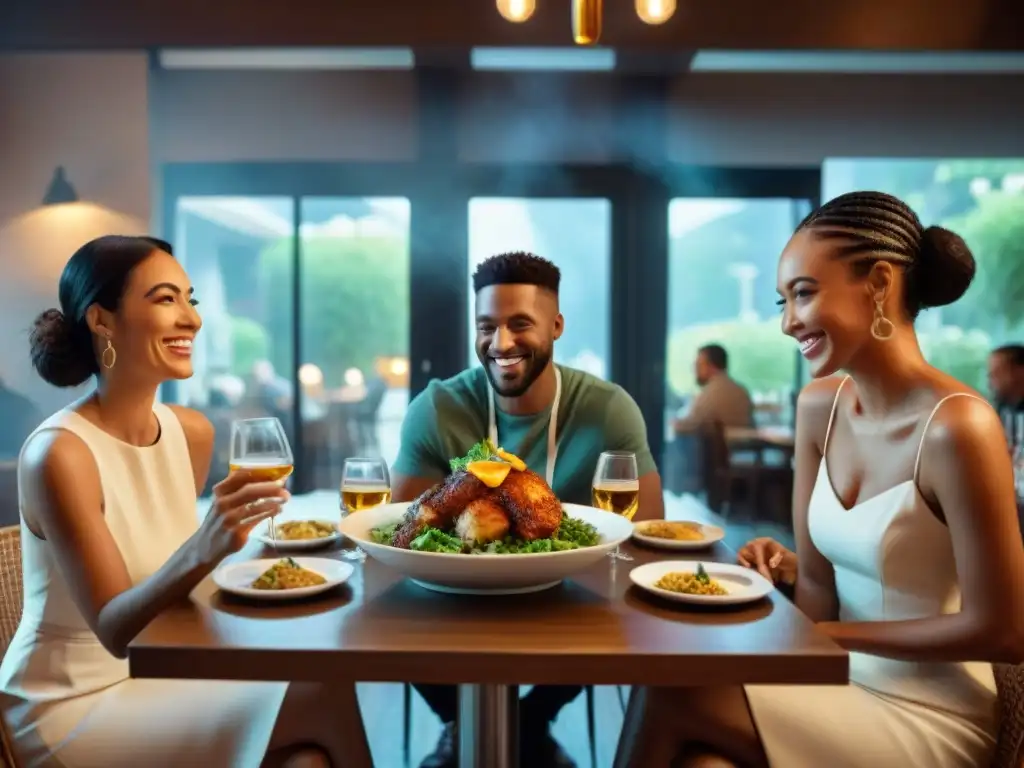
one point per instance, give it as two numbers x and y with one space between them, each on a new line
881 327
109 356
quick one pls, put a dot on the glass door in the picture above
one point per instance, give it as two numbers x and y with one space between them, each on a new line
725 230
233 249
354 320
722 256
304 275
574 234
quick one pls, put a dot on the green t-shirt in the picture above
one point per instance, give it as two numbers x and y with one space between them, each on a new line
450 417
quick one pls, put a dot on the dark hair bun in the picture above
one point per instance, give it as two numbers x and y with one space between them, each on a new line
945 268
59 356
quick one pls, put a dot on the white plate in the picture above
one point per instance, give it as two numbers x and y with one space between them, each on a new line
486 574
237 578
743 584
262 534
712 533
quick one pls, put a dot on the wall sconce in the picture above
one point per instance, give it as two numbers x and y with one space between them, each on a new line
60 189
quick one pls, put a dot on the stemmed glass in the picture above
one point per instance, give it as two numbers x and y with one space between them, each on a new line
616 488
365 484
260 447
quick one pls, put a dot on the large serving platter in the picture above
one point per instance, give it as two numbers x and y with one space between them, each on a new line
484 573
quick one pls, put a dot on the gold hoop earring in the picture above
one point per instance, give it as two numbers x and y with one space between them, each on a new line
109 356
881 327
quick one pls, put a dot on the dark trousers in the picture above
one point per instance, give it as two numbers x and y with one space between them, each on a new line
542 704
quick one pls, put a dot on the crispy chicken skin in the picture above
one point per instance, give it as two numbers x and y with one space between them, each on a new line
439 506
535 510
484 521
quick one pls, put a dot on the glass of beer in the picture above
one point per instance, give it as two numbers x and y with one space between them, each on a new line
616 488
365 484
260 447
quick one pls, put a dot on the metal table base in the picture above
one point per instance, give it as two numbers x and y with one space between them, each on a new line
488 726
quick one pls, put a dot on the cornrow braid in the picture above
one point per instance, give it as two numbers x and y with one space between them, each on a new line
874 226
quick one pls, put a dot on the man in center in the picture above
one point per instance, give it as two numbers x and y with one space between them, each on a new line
556 419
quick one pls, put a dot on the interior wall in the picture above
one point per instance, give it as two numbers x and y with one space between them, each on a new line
799 120
221 116
109 123
87 112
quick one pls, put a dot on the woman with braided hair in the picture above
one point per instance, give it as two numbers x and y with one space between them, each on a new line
909 552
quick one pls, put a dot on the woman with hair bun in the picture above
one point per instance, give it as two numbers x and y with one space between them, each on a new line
909 553
110 538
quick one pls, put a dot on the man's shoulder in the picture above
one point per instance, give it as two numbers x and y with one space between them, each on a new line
589 392
459 393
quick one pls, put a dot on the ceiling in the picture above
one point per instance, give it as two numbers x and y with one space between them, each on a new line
765 25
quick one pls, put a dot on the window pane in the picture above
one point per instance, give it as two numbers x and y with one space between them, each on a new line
573 233
355 330
243 356
723 254
983 201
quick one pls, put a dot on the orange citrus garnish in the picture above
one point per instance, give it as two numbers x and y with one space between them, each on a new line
517 464
490 473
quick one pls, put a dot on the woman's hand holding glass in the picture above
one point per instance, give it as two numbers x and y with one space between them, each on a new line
240 503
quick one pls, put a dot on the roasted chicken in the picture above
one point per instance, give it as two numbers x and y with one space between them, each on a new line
484 520
439 506
522 505
535 510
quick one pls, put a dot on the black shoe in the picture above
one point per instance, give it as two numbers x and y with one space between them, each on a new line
539 749
445 754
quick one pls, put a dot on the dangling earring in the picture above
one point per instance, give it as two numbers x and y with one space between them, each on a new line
109 356
881 327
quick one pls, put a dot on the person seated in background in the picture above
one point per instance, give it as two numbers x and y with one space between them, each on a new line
110 538
557 419
721 399
910 556
1006 381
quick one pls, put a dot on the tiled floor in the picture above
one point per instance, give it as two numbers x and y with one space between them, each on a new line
382 704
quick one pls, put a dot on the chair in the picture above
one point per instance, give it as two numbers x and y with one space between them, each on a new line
11 593
1010 744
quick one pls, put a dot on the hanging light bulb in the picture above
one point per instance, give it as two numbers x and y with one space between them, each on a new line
655 11
587 16
517 11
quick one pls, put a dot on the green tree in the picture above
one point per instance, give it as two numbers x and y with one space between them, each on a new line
355 301
760 356
961 354
995 232
249 343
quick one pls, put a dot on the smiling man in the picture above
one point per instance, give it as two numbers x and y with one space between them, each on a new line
557 419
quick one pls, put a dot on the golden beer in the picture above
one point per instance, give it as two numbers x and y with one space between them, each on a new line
622 497
265 470
356 497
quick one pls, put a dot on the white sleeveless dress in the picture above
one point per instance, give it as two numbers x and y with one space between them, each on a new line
893 560
70 703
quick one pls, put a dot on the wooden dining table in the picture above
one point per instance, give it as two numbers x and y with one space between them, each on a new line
594 628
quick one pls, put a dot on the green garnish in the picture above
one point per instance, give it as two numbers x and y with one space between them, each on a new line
384 534
485 450
436 540
702 575
571 534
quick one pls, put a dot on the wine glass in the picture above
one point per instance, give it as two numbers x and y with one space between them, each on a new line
616 488
365 484
260 447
